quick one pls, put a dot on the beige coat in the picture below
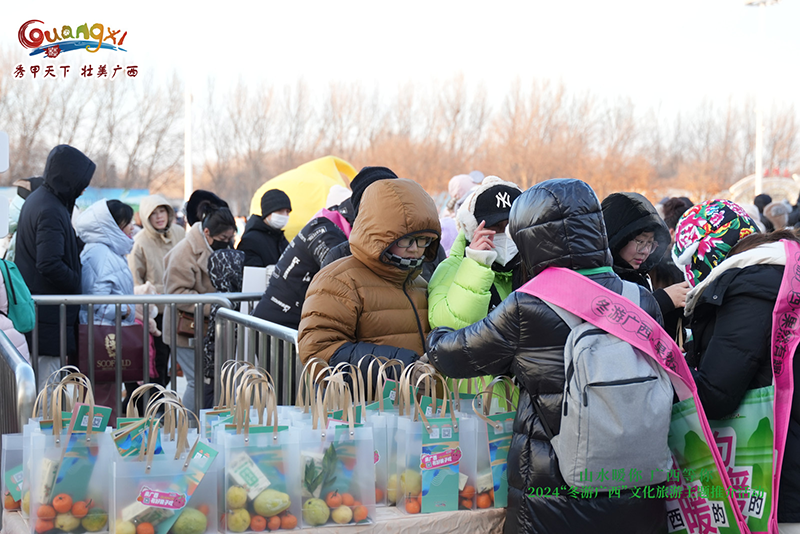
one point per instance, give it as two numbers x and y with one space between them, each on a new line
186 272
150 246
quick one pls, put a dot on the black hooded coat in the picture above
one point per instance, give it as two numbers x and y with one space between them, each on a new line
627 215
557 223
48 254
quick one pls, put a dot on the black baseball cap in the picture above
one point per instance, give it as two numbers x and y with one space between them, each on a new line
494 204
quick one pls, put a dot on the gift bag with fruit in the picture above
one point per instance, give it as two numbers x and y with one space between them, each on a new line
428 449
262 468
493 441
42 416
11 468
337 461
71 470
383 419
167 493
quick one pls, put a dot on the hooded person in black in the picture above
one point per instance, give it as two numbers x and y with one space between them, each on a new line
524 338
637 232
47 251
366 177
283 299
263 241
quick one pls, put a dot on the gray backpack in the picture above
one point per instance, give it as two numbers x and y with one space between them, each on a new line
616 410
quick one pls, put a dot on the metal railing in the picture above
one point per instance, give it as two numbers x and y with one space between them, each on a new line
17 388
268 345
170 302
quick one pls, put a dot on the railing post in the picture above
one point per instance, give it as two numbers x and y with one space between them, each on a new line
220 342
199 375
35 346
62 333
90 334
118 367
145 349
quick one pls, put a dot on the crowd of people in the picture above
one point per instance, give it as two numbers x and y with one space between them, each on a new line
381 272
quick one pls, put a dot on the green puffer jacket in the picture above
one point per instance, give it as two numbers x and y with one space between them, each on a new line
460 290
459 294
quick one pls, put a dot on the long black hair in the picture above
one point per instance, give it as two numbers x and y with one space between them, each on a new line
215 219
121 212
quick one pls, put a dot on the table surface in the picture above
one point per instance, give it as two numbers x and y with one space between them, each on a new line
389 520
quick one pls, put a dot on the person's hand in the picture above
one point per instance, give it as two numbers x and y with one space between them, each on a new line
482 239
677 293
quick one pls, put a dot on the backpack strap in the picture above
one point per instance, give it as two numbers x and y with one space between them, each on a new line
630 291
571 319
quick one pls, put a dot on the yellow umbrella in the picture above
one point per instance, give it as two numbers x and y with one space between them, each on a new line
307 186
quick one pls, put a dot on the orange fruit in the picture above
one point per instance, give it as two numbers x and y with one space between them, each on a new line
80 509
412 506
333 499
467 493
288 521
62 503
145 528
484 500
274 523
347 499
44 525
46 511
466 503
378 495
360 513
10 503
356 504
257 523
204 509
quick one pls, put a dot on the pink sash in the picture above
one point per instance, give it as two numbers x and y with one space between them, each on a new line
620 317
336 218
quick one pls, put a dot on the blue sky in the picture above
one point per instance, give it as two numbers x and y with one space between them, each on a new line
670 54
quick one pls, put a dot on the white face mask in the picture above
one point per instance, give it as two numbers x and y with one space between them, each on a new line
277 221
505 248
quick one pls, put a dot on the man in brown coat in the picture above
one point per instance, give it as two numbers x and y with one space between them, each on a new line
374 302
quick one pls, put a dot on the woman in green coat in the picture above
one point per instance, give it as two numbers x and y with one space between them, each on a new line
477 275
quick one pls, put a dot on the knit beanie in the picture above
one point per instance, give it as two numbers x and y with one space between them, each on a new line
362 180
274 200
705 235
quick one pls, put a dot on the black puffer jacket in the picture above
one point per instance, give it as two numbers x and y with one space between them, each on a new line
556 223
283 300
261 243
731 322
627 215
48 255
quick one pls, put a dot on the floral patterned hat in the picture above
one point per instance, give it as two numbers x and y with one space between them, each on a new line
705 235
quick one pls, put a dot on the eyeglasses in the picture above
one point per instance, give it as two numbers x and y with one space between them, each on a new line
422 241
645 246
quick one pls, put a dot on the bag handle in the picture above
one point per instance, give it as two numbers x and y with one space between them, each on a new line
388 364
368 379
304 396
508 385
337 387
153 432
359 391
133 410
443 412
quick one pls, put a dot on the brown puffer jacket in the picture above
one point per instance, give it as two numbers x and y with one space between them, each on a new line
361 304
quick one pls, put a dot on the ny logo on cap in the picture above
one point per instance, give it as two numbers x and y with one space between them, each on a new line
503 200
